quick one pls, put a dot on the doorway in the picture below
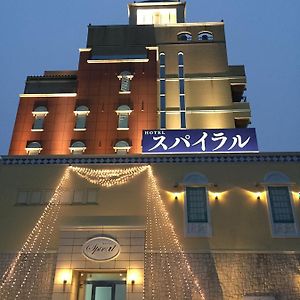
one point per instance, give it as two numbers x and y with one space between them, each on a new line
102 286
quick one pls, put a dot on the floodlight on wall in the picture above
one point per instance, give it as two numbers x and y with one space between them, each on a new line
217 195
258 195
176 196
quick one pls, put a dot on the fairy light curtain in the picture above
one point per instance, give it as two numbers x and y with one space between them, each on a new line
168 274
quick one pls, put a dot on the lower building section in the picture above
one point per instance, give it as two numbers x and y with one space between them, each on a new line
223 276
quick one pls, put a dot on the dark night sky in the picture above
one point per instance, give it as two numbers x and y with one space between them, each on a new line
262 35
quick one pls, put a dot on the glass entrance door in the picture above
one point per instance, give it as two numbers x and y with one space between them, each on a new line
102 286
103 291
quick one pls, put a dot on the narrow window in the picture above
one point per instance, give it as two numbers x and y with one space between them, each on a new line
33 148
280 205
122 147
39 115
181 90
196 205
280 202
162 89
205 36
81 114
123 113
125 77
77 147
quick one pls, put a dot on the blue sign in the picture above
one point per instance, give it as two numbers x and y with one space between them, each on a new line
199 141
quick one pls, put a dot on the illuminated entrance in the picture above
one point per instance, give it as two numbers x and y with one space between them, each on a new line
102 286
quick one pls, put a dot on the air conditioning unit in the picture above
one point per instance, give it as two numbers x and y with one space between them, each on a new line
259 298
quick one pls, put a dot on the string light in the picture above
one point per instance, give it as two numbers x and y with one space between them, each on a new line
17 281
164 256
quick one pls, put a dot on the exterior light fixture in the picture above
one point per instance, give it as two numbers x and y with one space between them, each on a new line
64 284
217 195
132 284
176 196
258 195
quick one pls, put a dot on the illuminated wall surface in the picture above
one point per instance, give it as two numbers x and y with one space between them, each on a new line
86 213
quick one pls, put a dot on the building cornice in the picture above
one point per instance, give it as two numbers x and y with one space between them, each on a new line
48 95
276 157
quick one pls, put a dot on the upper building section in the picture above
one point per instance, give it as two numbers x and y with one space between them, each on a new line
157 73
156 12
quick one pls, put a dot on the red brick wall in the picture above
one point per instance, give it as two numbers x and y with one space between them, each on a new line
98 89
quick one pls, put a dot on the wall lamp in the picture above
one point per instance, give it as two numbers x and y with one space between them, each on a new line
258 195
217 195
64 284
132 284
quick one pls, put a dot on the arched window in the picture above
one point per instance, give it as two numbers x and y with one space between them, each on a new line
197 216
125 77
33 148
280 202
184 36
81 114
205 36
122 147
123 113
39 114
77 147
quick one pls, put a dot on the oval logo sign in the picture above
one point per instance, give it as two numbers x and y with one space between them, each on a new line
101 249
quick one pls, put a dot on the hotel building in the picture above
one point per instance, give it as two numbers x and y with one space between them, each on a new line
137 177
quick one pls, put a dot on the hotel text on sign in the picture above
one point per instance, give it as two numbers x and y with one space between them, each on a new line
200 141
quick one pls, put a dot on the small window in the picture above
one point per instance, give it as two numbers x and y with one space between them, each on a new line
180 59
33 148
196 205
122 147
125 77
123 113
280 202
77 147
184 36
197 216
162 59
39 115
205 36
81 114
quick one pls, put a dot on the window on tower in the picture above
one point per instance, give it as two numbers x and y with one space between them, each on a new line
33 148
122 147
81 114
77 147
125 77
162 89
146 16
205 36
39 115
123 113
184 36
